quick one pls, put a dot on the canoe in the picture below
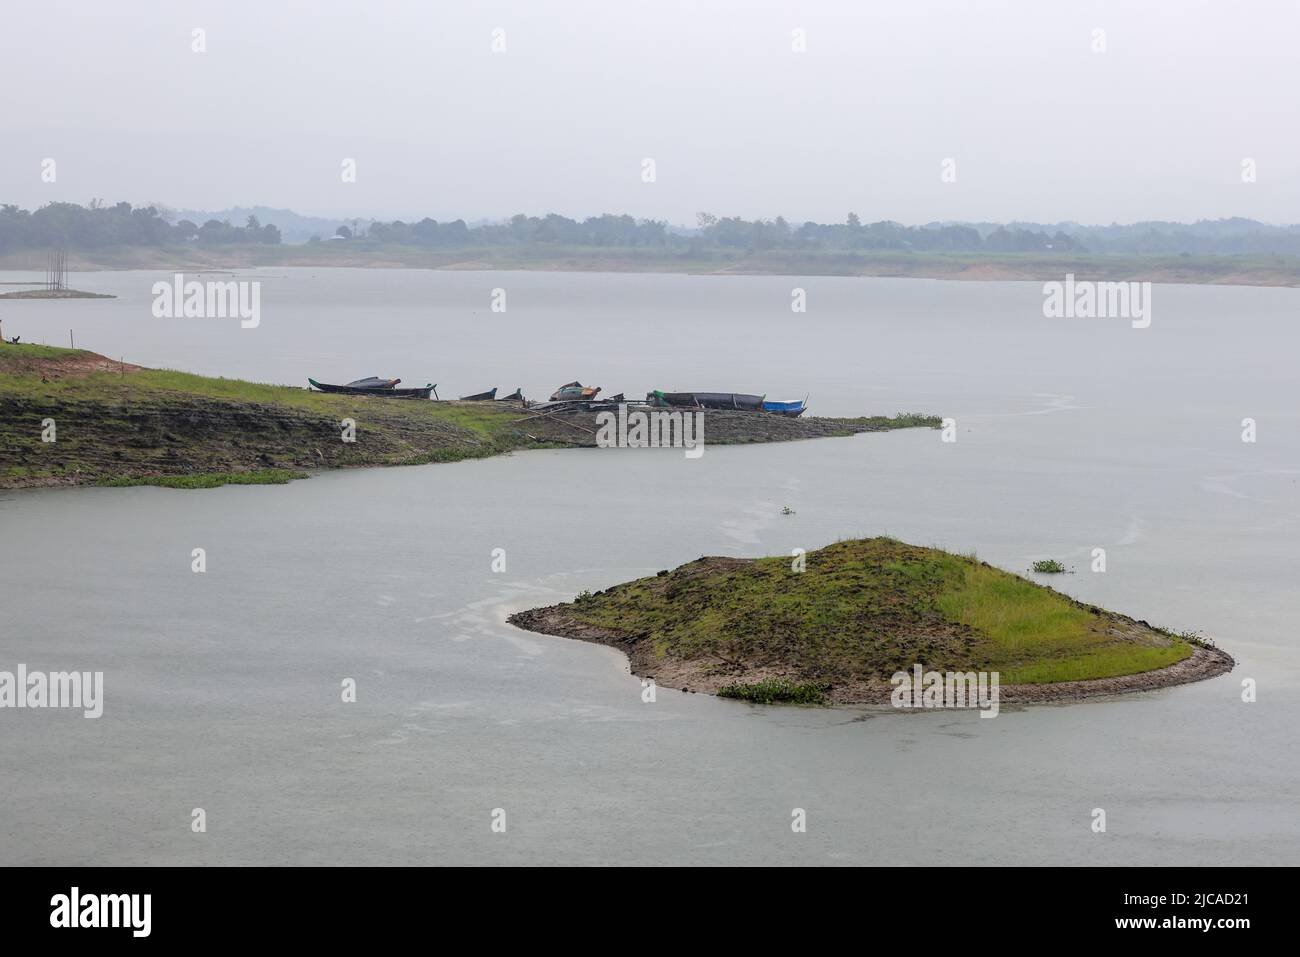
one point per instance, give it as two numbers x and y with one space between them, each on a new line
487 396
574 390
516 396
790 407
386 393
707 400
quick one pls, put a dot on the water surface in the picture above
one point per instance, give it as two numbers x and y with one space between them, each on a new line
223 689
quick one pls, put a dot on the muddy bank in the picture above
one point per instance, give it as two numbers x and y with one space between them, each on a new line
722 427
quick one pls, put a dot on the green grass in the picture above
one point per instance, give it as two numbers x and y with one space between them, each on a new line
25 350
208 479
1037 635
868 608
1049 566
777 691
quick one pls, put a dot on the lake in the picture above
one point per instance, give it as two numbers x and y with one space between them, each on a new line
222 689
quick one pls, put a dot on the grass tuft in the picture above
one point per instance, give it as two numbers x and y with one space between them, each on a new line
1048 566
777 691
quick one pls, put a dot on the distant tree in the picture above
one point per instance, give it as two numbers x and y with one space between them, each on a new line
344 232
215 232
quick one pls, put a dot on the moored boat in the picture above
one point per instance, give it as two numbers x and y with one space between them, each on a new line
789 407
487 396
516 396
738 401
574 390
383 392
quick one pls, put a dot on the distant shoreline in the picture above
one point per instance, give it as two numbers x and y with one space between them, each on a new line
1244 270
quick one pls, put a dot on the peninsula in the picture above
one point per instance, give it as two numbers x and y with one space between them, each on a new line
73 417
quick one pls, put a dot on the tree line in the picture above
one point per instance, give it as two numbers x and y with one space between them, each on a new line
712 232
97 224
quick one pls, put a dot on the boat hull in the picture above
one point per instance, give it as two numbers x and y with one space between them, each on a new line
792 409
733 401
420 393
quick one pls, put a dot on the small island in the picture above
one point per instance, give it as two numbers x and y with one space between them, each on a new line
861 611
55 294
55 285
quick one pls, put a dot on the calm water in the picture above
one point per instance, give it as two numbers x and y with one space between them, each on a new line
223 689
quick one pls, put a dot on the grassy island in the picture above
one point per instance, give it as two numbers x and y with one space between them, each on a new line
862 610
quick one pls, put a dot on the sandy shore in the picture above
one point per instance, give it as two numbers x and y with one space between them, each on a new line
705 676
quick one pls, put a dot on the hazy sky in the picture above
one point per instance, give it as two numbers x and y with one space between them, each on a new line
1040 126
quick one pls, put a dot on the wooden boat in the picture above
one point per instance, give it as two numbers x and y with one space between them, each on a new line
487 396
789 407
387 392
707 400
574 390
516 396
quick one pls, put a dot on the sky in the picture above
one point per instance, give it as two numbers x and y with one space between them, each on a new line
1043 118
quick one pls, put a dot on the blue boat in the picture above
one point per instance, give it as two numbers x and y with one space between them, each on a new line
792 407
